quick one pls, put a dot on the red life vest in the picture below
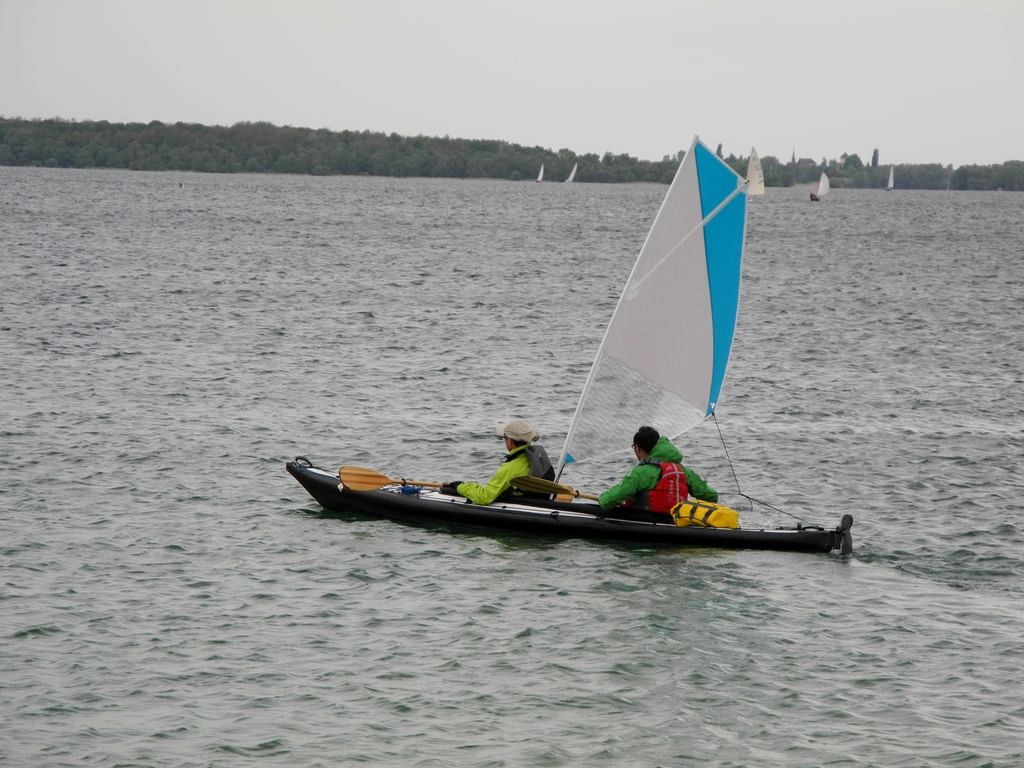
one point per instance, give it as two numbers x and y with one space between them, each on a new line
670 490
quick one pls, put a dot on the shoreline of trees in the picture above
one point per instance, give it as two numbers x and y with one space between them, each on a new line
266 148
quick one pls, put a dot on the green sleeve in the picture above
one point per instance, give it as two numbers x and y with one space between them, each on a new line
497 485
640 478
698 488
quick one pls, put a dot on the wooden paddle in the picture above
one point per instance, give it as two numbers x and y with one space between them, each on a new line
364 479
540 485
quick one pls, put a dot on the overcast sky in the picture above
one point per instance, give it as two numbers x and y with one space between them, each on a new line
921 80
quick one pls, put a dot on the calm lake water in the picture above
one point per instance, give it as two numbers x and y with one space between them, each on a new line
171 597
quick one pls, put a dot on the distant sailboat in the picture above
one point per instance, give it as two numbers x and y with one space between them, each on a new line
572 173
755 178
890 186
540 176
823 188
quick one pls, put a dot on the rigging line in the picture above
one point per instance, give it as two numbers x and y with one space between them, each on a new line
728 458
780 511
732 468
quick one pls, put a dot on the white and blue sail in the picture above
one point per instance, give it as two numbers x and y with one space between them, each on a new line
665 352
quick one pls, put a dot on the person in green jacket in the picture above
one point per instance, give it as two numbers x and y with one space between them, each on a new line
523 458
651 449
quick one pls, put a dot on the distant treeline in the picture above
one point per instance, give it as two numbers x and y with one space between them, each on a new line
266 148
851 171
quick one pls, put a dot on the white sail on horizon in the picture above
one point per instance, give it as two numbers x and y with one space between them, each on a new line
823 185
755 177
572 174
891 185
540 176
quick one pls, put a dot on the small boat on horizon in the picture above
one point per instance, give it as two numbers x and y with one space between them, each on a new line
823 188
755 177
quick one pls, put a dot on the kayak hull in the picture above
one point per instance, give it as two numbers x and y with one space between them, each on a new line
552 518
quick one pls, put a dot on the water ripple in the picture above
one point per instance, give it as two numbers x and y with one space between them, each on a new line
171 598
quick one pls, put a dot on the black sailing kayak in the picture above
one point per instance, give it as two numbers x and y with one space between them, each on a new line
553 518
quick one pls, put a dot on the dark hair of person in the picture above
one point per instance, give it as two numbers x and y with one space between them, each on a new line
646 438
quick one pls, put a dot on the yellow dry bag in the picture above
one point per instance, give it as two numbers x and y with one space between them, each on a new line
705 514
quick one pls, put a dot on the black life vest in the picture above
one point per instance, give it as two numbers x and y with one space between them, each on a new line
540 464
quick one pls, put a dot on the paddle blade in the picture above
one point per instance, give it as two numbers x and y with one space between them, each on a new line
540 485
363 478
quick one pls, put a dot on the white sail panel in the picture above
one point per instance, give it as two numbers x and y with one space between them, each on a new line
663 357
572 174
755 176
823 185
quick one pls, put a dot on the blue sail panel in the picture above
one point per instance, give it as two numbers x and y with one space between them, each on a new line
716 179
723 246
723 242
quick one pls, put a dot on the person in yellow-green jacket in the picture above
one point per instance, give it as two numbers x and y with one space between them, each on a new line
659 480
524 458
